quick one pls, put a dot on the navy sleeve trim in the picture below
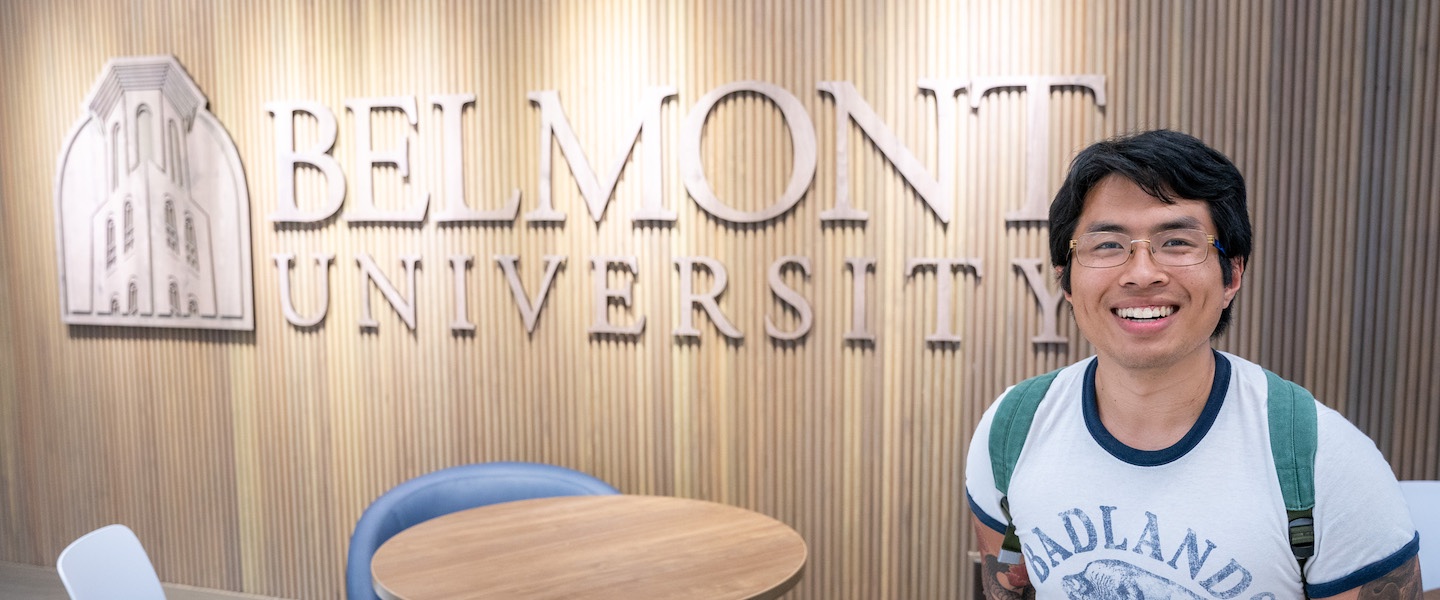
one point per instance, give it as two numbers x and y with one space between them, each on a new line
984 518
1368 573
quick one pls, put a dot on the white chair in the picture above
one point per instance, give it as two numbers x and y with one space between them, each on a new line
109 564
1424 500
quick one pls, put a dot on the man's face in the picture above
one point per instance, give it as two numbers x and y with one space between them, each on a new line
1141 314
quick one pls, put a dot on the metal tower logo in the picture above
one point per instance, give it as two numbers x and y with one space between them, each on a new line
152 211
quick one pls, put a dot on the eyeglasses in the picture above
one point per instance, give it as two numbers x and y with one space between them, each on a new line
1172 248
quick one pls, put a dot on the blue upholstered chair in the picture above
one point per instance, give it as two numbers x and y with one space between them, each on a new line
451 490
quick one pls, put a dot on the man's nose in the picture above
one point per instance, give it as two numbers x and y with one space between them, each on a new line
1142 269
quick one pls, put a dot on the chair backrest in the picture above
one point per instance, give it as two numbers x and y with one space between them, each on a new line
108 564
1424 500
451 490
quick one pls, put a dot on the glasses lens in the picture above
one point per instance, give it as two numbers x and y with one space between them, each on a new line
1180 247
1102 249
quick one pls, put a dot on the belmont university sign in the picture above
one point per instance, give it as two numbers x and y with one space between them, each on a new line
153 214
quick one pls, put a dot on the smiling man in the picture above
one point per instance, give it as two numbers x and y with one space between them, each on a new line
1162 468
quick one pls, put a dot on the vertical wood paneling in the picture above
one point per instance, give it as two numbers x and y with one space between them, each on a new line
13 525
243 459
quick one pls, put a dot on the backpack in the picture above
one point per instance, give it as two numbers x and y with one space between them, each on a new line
1293 433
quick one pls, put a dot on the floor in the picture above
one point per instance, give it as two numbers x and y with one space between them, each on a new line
42 583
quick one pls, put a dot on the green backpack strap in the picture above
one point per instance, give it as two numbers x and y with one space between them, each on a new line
1294 433
1007 437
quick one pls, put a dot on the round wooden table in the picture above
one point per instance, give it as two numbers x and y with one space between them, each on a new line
571 547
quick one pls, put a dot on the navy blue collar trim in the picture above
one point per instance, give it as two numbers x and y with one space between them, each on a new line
1155 458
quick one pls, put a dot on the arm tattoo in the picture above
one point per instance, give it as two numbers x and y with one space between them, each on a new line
1401 584
1005 582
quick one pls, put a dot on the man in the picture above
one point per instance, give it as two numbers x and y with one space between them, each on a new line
1147 470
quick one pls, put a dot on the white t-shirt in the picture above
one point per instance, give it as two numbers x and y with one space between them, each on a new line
1202 519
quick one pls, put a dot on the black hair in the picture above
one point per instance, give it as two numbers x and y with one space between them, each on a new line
1167 165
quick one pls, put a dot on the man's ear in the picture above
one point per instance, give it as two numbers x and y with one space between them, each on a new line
1060 274
1237 274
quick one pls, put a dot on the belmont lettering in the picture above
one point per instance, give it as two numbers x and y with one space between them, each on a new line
937 191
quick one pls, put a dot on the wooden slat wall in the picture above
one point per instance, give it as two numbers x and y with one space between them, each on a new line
243 459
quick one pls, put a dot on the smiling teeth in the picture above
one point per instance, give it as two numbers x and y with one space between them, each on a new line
1148 312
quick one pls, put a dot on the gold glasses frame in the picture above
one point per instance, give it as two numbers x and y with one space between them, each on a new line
1159 257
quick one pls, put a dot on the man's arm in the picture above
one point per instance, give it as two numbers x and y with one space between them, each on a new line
1010 582
1401 584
